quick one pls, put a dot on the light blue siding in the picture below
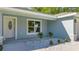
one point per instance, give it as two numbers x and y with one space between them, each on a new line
44 27
62 28
22 26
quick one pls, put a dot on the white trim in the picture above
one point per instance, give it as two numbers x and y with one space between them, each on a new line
66 15
16 28
34 31
26 13
41 26
31 14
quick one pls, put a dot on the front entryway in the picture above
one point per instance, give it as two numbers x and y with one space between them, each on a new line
9 26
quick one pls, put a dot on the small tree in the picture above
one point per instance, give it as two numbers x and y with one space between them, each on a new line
40 35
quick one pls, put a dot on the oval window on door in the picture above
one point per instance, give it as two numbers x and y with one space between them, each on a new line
10 25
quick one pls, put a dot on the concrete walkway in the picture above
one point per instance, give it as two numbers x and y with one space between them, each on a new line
71 46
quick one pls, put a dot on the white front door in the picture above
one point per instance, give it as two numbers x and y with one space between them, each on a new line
8 27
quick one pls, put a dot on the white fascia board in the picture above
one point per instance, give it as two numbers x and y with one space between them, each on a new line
67 15
27 13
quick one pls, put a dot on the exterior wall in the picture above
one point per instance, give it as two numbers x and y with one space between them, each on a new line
62 28
1 25
44 27
22 26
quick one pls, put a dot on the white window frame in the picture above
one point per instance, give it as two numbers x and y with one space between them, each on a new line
34 27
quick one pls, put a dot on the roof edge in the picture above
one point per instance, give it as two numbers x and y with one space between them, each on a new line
66 15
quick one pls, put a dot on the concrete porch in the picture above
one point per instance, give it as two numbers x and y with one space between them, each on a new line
25 44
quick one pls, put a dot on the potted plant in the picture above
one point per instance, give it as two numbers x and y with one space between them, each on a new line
40 35
59 41
51 42
51 36
1 47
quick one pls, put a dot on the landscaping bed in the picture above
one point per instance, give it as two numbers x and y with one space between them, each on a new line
37 43
44 42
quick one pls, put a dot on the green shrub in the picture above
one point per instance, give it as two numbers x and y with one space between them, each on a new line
40 35
1 47
50 34
51 42
59 41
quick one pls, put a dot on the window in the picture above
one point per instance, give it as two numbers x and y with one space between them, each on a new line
33 26
30 26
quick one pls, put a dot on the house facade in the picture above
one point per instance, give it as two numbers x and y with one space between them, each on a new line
20 24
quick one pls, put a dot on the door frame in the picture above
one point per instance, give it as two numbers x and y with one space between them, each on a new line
15 26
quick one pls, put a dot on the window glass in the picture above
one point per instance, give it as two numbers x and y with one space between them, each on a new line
30 30
33 26
30 26
10 25
37 26
31 23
